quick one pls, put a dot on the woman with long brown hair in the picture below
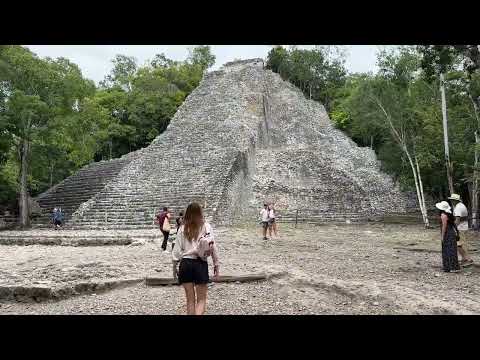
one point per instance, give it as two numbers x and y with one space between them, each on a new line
194 243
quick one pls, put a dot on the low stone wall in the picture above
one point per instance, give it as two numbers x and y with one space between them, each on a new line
79 238
39 292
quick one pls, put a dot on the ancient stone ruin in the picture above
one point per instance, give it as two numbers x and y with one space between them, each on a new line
242 137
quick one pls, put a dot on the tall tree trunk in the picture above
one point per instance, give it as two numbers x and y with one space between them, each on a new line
475 184
476 174
23 201
445 134
422 194
421 201
51 172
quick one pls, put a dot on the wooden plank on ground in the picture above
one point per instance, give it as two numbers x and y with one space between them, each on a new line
159 281
425 250
416 249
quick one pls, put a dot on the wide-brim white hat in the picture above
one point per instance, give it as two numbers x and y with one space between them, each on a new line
444 206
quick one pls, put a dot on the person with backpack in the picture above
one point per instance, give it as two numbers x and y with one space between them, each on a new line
460 213
163 220
449 236
194 244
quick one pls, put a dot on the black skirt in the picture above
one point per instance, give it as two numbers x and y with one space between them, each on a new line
449 250
193 271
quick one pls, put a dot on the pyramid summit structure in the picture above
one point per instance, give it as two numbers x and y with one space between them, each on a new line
242 137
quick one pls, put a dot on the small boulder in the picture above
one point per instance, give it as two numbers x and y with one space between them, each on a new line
138 243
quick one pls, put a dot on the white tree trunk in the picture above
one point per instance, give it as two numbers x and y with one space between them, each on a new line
475 184
422 195
474 192
445 134
417 187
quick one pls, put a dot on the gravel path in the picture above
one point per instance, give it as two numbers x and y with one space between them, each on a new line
356 269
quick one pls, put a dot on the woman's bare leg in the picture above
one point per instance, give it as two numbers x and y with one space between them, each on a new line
275 229
201 290
190 295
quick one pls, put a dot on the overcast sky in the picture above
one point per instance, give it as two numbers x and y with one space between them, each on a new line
95 60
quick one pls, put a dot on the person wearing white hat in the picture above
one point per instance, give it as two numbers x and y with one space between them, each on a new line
460 213
449 238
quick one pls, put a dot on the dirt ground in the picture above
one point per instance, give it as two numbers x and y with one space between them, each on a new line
328 269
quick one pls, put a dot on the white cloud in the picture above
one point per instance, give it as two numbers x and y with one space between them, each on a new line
95 60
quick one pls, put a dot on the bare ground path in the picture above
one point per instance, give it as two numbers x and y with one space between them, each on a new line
351 269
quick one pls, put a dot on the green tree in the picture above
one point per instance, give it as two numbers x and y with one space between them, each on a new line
201 56
124 69
26 115
277 57
316 72
37 93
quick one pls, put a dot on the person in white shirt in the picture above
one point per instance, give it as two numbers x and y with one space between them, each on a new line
264 217
460 212
194 243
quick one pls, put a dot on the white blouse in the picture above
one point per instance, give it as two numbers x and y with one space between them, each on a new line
195 249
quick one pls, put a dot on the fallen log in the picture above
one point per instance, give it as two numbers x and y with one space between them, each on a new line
159 281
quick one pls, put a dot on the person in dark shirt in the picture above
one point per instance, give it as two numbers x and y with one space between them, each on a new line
57 218
164 226
449 233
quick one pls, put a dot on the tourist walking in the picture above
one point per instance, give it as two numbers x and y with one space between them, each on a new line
57 218
449 236
460 213
179 220
163 220
54 215
264 220
195 242
272 223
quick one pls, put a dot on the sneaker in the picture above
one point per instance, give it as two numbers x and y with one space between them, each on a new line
166 251
265 238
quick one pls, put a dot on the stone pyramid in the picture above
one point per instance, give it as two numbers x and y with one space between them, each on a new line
242 137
